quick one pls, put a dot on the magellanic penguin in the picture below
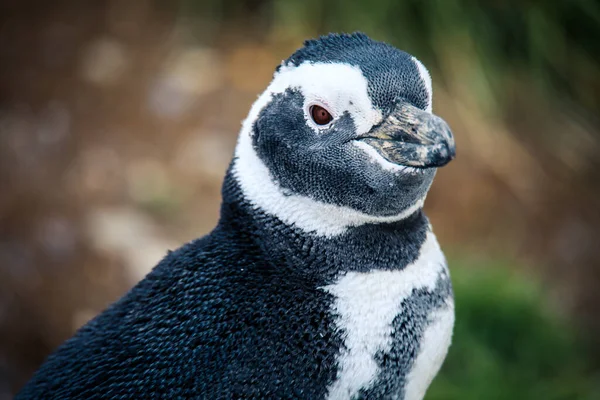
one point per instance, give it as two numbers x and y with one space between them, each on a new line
322 279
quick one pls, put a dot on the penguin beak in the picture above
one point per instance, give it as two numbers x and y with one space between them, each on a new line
412 137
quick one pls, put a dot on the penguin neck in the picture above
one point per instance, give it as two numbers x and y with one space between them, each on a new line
380 246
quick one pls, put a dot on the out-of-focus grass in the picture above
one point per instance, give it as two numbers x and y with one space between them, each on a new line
549 44
509 344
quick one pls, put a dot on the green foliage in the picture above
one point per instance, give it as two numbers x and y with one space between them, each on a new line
508 345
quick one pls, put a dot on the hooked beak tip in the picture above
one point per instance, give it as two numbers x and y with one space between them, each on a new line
445 153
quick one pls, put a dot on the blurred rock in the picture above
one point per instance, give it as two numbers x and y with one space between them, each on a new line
204 155
130 235
104 61
187 75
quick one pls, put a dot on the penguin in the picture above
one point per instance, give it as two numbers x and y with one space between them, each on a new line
322 279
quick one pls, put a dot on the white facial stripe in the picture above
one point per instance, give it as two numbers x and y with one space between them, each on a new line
339 87
305 213
367 304
426 77
315 81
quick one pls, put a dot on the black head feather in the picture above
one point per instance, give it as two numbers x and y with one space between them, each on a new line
392 74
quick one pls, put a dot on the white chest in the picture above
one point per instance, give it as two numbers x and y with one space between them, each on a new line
366 305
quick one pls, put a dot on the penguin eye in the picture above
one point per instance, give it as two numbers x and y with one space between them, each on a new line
320 115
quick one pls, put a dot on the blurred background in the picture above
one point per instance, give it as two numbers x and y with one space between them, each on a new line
119 118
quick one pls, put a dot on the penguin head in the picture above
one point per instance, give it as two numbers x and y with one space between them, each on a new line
343 136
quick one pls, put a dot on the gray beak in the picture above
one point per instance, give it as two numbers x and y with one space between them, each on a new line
412 137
